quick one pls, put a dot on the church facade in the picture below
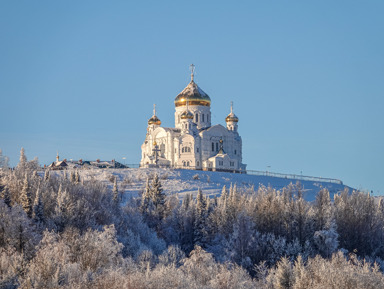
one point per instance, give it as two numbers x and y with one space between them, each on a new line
193 143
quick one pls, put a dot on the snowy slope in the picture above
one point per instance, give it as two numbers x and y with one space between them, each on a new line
180 182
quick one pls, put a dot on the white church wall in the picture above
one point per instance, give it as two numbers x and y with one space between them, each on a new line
195 109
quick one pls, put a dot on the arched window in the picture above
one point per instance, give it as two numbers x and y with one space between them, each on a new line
213 147
187 164
197 117
197 163
202 117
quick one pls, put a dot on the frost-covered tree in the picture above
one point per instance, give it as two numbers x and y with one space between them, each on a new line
200 230
326 241
5 195
4 161
184 224
284 275
22 159
157 195
46 175
77 177
17 230
33 165
72 177
26 197
200 265
241 242
115 192
323 210
38 208
146 201
301 221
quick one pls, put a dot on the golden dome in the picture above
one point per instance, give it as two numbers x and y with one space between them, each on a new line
186 115
231 117
194 95
154 120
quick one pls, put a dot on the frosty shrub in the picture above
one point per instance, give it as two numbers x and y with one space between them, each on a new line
164 176
111 178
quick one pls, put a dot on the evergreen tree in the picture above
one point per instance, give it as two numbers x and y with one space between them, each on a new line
25 197
38 209
145 199
187 200
6 196
284 274
224 195
23 158
200 233
3 160
158 197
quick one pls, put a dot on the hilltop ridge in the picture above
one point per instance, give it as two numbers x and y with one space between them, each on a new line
181 182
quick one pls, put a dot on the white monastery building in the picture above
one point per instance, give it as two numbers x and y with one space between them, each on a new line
193 143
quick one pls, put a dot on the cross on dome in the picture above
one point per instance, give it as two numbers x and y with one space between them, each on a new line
192 68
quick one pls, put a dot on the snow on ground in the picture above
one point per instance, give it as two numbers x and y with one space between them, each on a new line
181 182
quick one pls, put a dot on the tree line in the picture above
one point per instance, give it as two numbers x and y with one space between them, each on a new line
58 230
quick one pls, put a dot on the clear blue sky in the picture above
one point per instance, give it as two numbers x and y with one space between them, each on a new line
306 78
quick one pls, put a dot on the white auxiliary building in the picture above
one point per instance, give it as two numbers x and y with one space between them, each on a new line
193 143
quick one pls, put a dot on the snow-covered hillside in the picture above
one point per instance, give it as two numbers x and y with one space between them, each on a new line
180 182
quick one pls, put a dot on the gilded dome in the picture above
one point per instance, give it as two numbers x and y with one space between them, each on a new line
231 117
194 95
154 120
186 115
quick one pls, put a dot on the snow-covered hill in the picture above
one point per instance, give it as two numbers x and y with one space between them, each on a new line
180 182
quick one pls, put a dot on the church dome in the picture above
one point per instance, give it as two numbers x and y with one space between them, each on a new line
232 117
186 115
193 94
154 120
